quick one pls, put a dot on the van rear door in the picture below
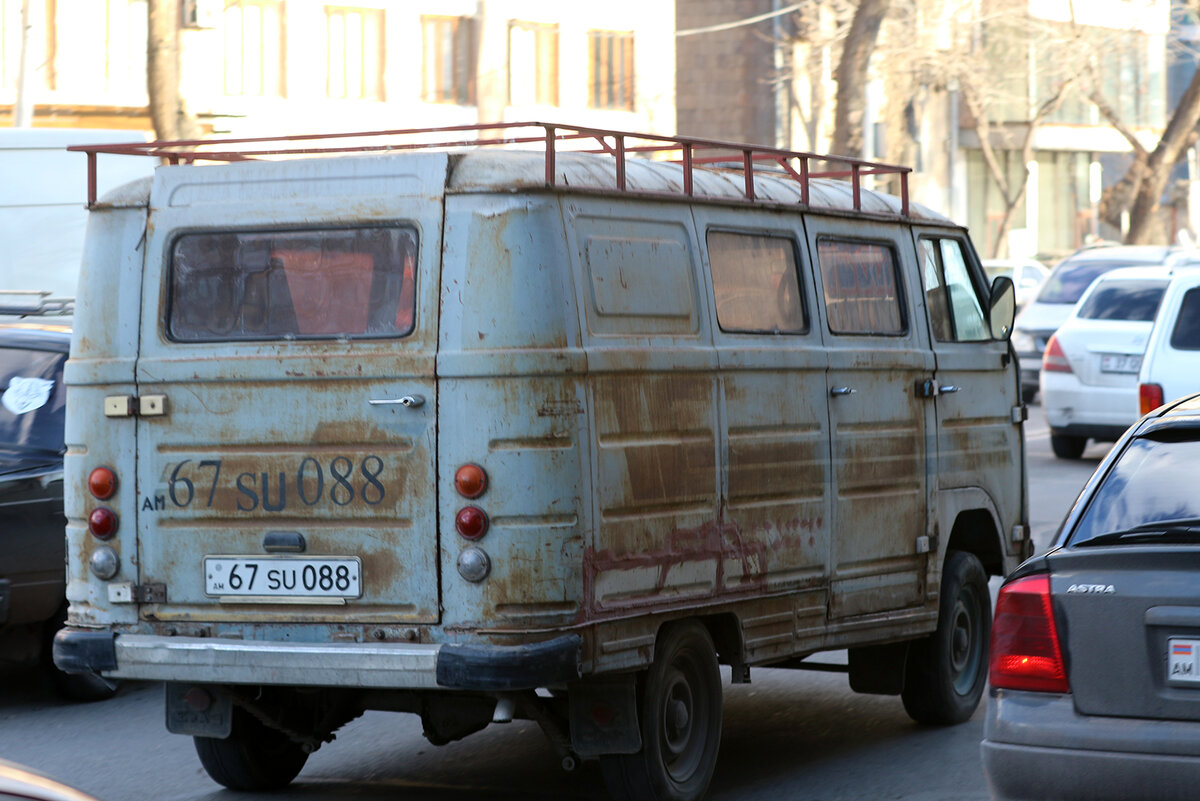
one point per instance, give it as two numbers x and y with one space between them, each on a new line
286 392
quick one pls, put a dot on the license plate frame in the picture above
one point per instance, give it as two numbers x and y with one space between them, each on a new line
1183 662
283 578
1120 362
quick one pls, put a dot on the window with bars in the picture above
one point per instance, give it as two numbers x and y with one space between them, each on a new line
448 69
254 48
610 70
354 53
532 64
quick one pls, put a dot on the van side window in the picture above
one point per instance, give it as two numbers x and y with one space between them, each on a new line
954 310
263 285
755 283
862 287
1186 335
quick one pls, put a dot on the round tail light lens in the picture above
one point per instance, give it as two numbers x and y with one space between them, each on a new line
102 522
104 562
470 480
102 483
471 522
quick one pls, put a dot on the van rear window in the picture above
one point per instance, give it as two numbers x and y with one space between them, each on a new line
315 284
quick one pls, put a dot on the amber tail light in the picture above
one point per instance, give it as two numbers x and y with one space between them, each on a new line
102 483
1025 653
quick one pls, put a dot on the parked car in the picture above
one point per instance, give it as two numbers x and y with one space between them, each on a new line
1171 367
1089 379
32 525
18 783
1027 276
1095 648
1062 290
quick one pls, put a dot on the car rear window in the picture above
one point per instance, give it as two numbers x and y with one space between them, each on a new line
1070 280
1124 300
32 403
293 284
1186 335
1152 481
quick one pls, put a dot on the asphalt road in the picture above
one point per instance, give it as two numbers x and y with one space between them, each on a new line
793 735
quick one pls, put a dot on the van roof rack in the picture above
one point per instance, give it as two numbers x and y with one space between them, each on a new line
34 303
689 151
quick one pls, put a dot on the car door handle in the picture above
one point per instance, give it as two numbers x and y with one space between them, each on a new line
408 401
837 392
946 389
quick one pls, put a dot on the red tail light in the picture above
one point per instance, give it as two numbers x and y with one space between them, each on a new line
103 523
471 522
1025 651
1150 397
1054 360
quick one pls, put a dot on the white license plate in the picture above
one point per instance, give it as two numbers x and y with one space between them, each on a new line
282 576
1120 363
1183 662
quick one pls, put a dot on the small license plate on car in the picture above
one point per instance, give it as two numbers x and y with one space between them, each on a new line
283 576
1120 362
1183 662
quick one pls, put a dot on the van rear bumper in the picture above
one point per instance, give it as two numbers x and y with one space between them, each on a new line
384 665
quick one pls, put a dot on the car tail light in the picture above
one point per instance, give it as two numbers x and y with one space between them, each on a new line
470 480
102 483
1025 651
1150 397
102 522
1054 360
471 522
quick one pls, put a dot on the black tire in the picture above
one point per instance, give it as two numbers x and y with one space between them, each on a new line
680 716
1066 447
253 757
946 671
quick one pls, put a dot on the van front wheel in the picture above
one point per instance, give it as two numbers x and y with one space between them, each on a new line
946 671
680 717
254 756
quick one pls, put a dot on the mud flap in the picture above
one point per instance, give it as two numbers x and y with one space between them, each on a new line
200 711
878 669
604 716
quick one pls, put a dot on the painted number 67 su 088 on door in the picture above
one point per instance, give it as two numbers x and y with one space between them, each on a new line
338 480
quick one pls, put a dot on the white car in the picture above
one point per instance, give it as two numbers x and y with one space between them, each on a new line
1027 276
1089 378
1171 367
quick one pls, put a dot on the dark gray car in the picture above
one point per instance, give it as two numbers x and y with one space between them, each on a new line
1095 661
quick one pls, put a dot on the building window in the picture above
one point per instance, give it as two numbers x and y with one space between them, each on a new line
254 56
610 70
532 64
354 53
449 60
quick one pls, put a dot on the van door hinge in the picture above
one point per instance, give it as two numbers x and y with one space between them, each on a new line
126 592
1020 413
128 406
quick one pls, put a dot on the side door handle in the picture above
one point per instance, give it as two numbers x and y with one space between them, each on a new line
408 401
947 389
838 392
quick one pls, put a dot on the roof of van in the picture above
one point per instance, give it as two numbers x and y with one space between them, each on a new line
499 157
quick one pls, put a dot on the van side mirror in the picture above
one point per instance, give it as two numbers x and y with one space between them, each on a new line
1002 307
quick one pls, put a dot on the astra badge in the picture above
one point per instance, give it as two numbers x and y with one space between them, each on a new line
1092 589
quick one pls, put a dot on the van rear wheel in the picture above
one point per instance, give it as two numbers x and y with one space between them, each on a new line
253 757
680 717
946 671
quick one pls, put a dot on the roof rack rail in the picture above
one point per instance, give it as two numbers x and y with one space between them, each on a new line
556 138
34 303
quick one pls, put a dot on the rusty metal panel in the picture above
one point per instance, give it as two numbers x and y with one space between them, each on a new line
305 436
878 427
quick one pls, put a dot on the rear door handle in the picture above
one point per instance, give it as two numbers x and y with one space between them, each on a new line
408 401
837 392
946 389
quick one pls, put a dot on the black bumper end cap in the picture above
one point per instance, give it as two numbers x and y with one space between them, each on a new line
82 651
510 667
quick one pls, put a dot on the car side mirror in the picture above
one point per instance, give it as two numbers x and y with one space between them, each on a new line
1002 307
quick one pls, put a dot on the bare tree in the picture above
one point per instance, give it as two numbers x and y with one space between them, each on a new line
168 112
852 74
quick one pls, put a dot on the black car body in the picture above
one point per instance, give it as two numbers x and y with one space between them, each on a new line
1095 662
32 524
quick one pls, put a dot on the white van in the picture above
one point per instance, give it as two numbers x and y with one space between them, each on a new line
431 431
1170 368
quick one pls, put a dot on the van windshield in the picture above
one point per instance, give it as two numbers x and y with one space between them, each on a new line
317 284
